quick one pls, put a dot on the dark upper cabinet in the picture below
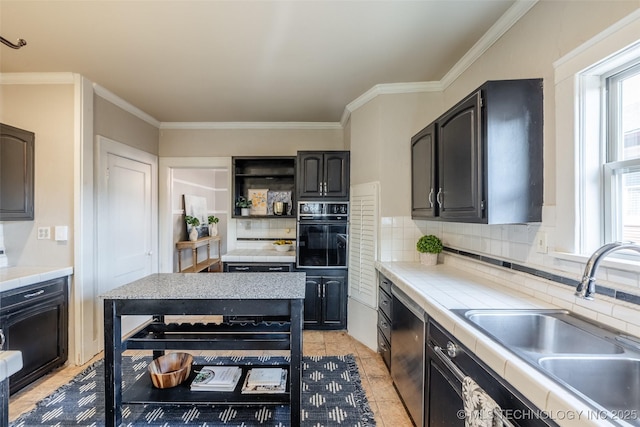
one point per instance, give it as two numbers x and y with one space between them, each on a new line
459 192
423 173
322 175
487 162
16 174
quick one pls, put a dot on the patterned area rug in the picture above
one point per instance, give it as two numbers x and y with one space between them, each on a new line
332 395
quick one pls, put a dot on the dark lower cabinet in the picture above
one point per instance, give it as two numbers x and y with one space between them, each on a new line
34 320
325 303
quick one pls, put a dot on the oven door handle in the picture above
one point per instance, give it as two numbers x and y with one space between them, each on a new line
448 363
460 376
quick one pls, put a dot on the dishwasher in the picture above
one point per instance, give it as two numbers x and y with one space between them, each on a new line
407 353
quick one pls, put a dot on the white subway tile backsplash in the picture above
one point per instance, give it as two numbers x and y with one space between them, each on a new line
517 244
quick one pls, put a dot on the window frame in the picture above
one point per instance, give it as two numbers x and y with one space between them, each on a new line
614 166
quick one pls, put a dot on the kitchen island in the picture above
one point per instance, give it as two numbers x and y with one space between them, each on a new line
229 294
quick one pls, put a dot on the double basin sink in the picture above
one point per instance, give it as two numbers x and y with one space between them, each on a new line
600 365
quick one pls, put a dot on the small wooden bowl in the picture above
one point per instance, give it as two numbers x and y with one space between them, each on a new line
170 370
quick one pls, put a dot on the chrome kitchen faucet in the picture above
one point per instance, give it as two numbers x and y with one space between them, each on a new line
587 287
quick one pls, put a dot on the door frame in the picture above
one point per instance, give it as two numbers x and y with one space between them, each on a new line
166 245
89 326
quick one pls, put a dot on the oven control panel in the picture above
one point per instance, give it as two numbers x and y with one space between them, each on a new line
337 211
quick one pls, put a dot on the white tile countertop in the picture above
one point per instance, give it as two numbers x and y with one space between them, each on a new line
17 277
439 289
259 255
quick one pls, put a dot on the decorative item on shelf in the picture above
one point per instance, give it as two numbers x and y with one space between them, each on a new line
279 203
258 199
170 370
212 220
244 205
194 223
283 245
429 247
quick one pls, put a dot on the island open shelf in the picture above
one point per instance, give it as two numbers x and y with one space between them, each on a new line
142 391
277 296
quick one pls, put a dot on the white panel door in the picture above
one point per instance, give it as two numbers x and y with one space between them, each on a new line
126 220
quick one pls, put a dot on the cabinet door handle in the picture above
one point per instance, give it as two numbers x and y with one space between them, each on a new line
241 268
1 339
385 302
439 197
384 324
319 290
383 347
35 294
275 268
430 198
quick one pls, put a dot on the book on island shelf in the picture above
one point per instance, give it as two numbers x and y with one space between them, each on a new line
273 380
216 378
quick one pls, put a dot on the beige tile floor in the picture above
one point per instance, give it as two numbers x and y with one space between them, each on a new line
382 396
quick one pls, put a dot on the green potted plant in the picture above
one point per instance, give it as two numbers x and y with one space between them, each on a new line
244 204
429 246
194 223
212 220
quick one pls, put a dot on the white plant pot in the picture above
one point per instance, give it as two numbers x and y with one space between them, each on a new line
213 229
244 211
193 234
428 259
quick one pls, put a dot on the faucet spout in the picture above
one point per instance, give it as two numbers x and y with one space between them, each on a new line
587 286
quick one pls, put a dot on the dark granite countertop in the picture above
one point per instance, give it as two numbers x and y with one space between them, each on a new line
213 286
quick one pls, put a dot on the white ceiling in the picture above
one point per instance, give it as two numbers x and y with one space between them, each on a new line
244 61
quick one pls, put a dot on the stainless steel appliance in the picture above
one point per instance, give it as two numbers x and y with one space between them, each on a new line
322 235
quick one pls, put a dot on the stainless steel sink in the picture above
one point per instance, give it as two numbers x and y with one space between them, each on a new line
540 332
599 364
613 383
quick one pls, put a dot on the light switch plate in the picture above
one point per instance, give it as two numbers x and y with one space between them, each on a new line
62 232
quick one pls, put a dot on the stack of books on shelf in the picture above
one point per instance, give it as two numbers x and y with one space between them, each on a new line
216 378
265 380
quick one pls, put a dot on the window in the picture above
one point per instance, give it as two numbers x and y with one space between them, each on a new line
622 164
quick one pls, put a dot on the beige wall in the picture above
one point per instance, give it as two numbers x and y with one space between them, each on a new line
246 142
381 132
48 111
114 123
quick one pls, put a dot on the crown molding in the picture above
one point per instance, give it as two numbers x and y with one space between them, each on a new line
132 109
388 89
37 78
497 30
251 125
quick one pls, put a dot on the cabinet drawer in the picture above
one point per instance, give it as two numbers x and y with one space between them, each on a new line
32 294
384 283
258 268
384 325
384 348
384 302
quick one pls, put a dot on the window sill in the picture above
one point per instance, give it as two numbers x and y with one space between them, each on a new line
630 263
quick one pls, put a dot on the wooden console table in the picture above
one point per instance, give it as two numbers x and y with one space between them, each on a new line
245 294
202 265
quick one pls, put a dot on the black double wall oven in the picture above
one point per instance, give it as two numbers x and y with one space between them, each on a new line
322 253
322 234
